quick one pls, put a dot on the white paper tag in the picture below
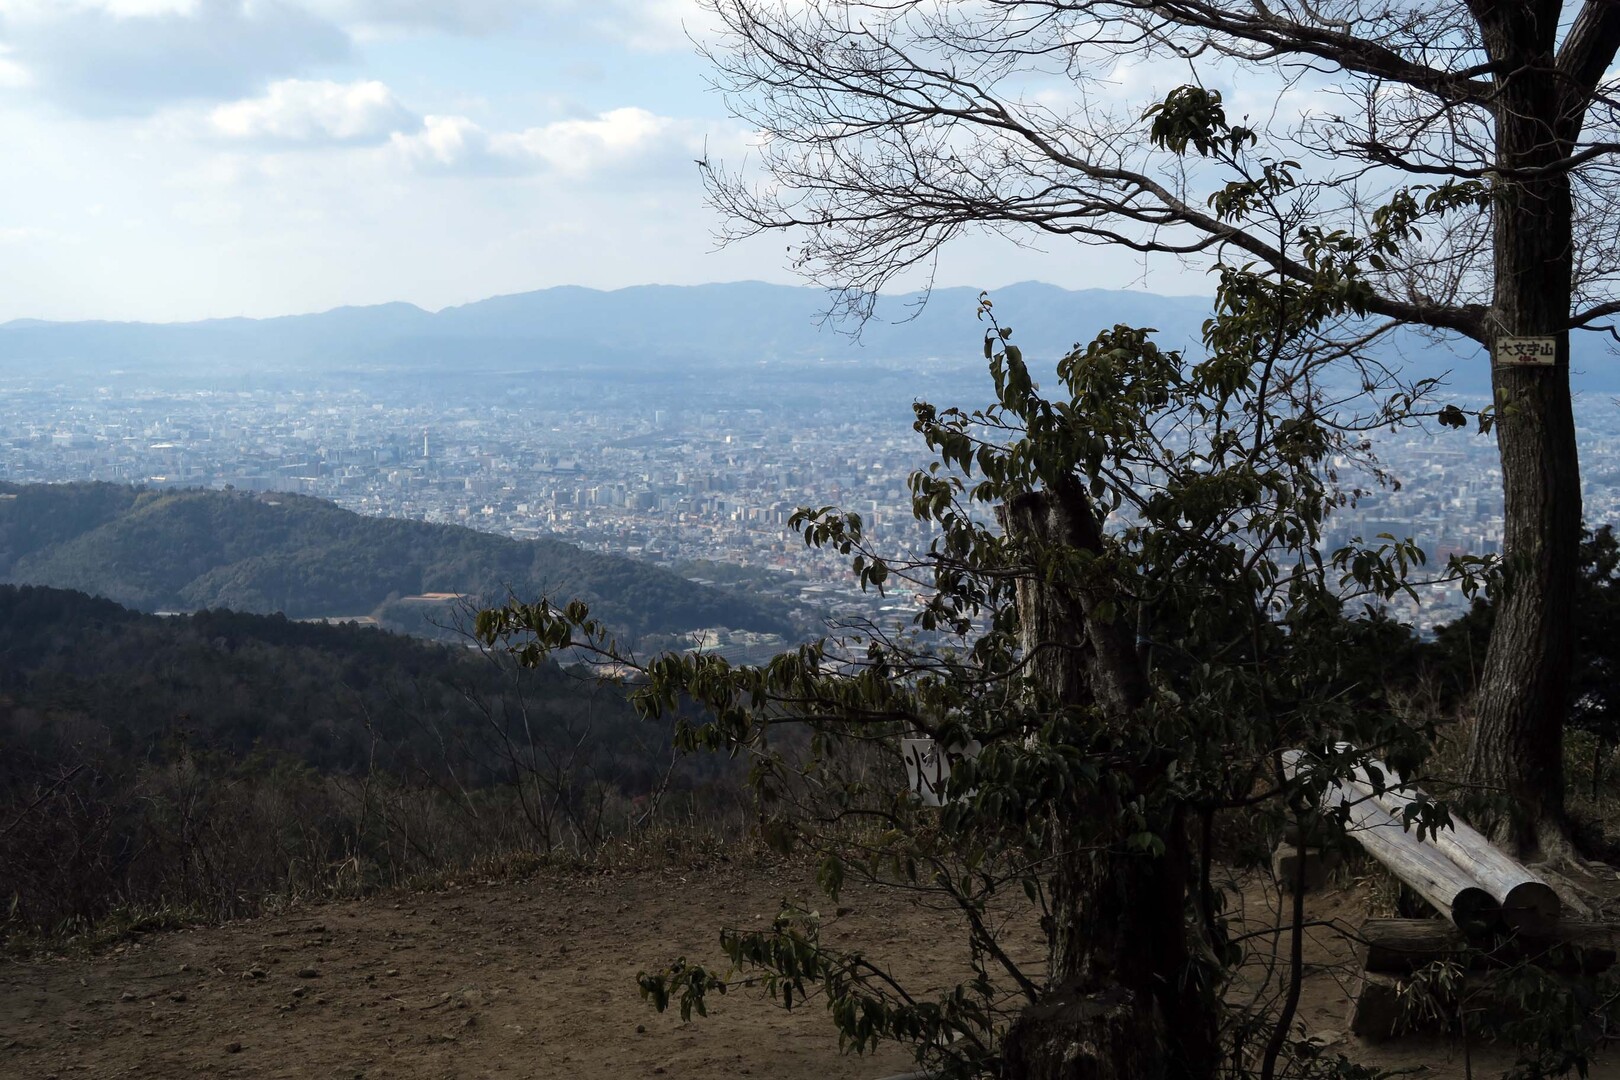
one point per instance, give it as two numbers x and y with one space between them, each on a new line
927 769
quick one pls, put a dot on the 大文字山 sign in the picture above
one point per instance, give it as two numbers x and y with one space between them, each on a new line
1527 351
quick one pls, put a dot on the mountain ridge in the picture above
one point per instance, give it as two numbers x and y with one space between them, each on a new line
653 326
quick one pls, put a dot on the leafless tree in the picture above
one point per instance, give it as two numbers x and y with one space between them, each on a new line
890 127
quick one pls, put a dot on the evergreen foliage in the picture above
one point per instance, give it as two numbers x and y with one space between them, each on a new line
1453 659
81 671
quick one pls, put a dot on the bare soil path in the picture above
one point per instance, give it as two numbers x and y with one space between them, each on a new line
533 979
515 979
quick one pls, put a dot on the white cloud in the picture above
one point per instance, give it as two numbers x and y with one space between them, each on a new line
20 234
129 57
463 16
44 9
13 76
646 25
618 140
313 111
111 57
445 141
211 213
652 25
126 9
583 146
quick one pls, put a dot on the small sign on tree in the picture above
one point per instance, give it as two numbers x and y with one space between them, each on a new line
928 766
1527 351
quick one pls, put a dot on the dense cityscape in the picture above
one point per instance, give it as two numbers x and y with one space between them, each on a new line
824 540
670 474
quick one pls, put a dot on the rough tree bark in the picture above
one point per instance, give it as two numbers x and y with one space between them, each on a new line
1524 688
1120 1001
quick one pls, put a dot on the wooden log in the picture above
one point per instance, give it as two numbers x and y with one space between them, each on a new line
1528 902
1401 946
1437 880
1482 1001
1378 1011
1444 884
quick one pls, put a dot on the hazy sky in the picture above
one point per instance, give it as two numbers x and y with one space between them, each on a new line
173 159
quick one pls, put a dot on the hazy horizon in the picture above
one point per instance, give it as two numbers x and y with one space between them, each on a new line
191 159
895 293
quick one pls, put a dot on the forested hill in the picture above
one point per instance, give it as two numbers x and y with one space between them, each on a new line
80 672
172 550
203 762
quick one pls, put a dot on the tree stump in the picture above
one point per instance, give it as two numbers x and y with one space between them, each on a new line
1110 1034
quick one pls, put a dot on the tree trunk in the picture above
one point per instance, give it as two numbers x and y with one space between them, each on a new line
1523 694
1123 999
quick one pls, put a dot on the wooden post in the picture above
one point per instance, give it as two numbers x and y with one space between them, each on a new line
1375 1007
1401 946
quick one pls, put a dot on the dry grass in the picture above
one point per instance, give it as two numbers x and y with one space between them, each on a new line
164 846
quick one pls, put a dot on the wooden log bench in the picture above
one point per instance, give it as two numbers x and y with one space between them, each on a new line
1456 870
1498 914
1527 902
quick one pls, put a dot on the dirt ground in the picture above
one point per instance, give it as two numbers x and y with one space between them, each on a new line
515 979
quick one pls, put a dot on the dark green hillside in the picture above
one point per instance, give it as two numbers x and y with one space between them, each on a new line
206 762
190 550
80 670
37 517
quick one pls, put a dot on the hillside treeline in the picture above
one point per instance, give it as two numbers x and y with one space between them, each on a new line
168 550
213 760
206 763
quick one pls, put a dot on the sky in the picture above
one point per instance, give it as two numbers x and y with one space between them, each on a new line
184 159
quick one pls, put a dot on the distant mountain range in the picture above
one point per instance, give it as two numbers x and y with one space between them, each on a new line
307 558
653 326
